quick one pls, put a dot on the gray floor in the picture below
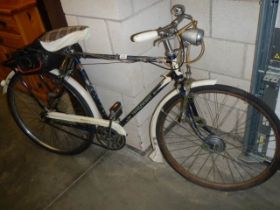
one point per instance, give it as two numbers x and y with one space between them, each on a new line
32 178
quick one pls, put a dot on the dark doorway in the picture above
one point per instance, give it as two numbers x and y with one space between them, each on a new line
52 14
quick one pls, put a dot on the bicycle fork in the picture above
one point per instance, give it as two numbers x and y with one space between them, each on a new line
189 113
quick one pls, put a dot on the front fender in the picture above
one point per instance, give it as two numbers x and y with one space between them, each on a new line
156 155
203 83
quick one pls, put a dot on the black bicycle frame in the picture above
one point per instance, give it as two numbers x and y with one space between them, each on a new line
155 91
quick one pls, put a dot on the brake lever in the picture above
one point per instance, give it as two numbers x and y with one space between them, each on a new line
157 42
169 31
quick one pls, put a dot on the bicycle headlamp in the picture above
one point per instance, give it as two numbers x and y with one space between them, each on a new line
193 36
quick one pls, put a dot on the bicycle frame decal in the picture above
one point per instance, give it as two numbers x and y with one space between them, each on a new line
167 79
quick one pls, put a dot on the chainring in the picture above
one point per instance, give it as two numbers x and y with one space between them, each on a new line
110 139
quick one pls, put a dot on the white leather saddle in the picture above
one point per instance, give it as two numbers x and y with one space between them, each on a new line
63 37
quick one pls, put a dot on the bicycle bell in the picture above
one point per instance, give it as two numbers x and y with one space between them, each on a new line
178 10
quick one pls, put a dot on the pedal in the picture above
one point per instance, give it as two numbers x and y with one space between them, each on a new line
107 137
115 111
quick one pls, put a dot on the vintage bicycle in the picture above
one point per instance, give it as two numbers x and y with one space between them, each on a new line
214 135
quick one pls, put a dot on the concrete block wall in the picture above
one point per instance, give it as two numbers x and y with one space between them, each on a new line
112 22
230 29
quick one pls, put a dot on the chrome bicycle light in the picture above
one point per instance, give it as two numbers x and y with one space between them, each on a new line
193 36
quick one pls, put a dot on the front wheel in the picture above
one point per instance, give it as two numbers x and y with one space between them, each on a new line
220 137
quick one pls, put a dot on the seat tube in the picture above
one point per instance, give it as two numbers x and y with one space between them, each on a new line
90 88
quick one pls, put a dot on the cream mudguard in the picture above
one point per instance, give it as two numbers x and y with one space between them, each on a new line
97 120
75 118
156 154
83 93
5 82
86 120
72 82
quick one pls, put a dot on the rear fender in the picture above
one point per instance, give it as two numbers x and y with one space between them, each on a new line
5 82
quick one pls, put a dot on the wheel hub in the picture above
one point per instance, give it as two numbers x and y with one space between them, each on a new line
215 143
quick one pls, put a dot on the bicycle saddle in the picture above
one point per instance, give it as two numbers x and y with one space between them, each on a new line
57 39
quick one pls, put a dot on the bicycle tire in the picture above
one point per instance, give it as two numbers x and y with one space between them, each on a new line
225 155
27 92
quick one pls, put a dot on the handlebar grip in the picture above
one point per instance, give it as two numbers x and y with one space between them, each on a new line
144 36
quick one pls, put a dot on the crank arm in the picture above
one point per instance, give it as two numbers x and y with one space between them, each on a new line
86 120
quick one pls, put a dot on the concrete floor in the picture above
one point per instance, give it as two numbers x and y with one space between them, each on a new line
32 178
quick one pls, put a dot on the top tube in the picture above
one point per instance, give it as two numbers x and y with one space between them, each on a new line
121 57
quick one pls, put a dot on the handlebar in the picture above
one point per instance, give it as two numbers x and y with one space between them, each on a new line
144 36
186 35
167 31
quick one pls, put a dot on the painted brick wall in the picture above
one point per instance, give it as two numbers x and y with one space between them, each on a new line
230 28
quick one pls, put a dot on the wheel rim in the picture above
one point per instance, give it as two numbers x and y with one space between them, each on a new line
51 135
239 163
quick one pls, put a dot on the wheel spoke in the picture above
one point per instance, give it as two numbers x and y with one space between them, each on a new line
227 114
209 154
178 123
231 173
190 156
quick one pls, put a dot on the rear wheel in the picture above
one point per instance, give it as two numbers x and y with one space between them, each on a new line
29 96
223 138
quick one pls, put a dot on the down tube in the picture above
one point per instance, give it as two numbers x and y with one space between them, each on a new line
163 83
